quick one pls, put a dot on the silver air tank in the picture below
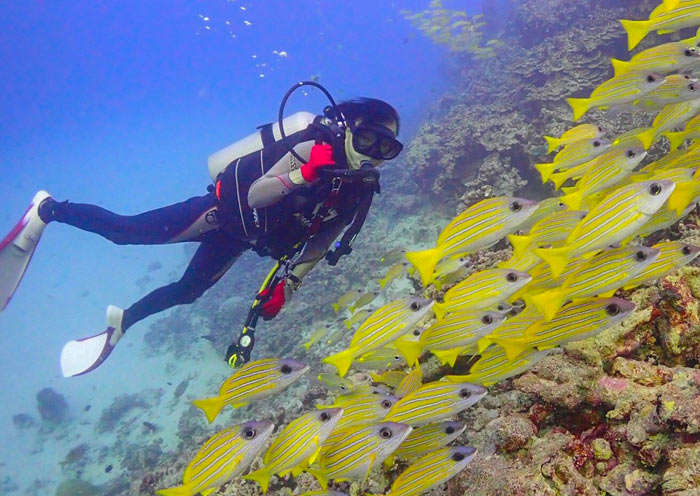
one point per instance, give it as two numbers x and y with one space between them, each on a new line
220 160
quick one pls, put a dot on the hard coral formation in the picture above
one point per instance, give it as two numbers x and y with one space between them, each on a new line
52 406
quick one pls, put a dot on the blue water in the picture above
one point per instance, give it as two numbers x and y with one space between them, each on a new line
119 104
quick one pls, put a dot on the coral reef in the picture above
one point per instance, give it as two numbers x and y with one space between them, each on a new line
23 421
122 404
52 406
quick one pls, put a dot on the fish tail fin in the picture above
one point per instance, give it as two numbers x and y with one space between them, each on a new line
425 262
447 357
556 258
559 178
335 307
675 139
261 476
681 197
669 5
439 310
520 244
175 491
482 344
411 350
513 347
382 283
348 324
579 106
549 302
553 143
210 406
545 170
572 199
621 67
307 346
647 137
320 477
341 360
375 377
636 31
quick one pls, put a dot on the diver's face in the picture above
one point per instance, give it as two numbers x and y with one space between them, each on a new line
356 157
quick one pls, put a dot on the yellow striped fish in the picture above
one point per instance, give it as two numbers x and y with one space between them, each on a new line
672 255
482 290
575 134
545 208
357 451
255 380
336 383
543 279
494 366
513 327
669 57
347 299
380 359
356 318
316 336
478 227
663 219
617 91
392 256
617 217
435 401
573 156
576 321
691 131
410 383
449 270
225 455
432 470
391 378
677 88
364 300
549 230
606 272
687 189
686 192
447 338
395 271
359 392
427 438
607 171
672 117
672 160
364 409
666 21
382 327
297 446
524 264
634 137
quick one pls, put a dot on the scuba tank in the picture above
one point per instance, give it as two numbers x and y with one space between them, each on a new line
257 141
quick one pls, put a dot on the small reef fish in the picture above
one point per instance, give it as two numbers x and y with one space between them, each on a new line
427 438
448 337
482 290
391 378
479 226
356 318
672 255
335 383
380 359
664 22
358 450
364 409
435 401
664 218
297 446
513 327
364 300
672 117
574 322
549 230
691 131
432 470
393 256
602 274
619 90
381 328
677 88
669 57
573 156
634 137
449 270
225 455
494 366
617 217
317 335
410 383
255 380
334 337
524 264
395 271
687 193
346 300
575 134
545 208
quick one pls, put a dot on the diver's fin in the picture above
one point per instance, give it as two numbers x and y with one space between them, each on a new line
579 106
636 31
85 355
17 248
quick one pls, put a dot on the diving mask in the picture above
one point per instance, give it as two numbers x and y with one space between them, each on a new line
375 141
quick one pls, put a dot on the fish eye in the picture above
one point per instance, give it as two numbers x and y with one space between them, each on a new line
640 256
386 433
343 387
631 153
386 404
651 78
414 306
613 309
249 433
416 332
450 430
562 205
692 87
596 144
600 129
689 52
511 277
516 206
486 319
324 417
398 357
465 393
286 369
686 250
654 189
458 457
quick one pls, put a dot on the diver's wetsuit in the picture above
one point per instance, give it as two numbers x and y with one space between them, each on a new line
259 202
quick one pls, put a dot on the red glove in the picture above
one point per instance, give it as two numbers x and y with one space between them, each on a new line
321 156
273 301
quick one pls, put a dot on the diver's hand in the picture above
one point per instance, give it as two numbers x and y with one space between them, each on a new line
321 156
273 300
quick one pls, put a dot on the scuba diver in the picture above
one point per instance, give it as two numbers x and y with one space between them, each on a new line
288 192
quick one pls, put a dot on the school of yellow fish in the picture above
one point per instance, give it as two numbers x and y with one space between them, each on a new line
571 254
